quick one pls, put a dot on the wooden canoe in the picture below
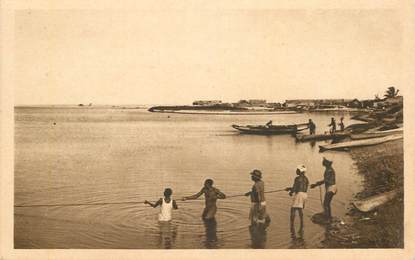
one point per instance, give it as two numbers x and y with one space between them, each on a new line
272 130
373 202
375 134
358 143
320 137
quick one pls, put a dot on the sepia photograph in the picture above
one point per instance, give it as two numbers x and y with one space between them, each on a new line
193 127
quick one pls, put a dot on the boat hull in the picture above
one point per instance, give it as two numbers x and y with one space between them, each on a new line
273 130
375 134
320 137
359 143
371 203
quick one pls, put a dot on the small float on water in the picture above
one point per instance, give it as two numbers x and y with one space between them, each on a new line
270 129
373 202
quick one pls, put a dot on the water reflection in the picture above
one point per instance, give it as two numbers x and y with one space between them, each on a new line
297 243
292 226
211 237
168 233
258 236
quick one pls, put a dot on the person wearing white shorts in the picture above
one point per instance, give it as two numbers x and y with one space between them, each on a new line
299 190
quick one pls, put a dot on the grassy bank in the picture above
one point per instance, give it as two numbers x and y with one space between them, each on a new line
382 169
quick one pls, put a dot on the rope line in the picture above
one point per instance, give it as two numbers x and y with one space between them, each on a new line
117 203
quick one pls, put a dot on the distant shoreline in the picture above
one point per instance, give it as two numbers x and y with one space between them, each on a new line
206 112
199 111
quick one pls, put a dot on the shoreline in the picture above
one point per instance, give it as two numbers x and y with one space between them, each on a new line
207 112
382 169
272 112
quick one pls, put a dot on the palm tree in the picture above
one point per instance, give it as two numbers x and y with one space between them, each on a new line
391 92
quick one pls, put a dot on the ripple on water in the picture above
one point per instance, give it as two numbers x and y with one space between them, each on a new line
121 221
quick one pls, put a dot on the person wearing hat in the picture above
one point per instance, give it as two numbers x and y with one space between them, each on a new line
341 124
257 214
212 194
330 185
299 189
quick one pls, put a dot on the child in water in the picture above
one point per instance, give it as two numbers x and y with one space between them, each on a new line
167 205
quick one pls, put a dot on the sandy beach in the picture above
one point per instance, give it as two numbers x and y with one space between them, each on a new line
382 169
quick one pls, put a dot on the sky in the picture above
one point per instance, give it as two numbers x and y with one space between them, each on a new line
178 56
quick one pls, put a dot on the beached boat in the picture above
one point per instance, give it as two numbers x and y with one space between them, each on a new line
270 130
358 143
375 134
373 202
321 137
360 127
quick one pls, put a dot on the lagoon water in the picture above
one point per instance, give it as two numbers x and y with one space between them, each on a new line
94 155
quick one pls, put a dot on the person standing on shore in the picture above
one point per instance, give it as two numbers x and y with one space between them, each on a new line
258 214
269 124
333 126
330 185
299 189
311 127
341 124
212 194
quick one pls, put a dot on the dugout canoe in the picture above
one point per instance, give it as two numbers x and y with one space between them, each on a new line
359 143
320 137
373 202
270 130
375 134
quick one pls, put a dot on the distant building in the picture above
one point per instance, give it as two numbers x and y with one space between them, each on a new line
227 105
300 102
274 105
355 103
257 102
398 100
382 103
317 102
368 103
335 102
242 103
207 102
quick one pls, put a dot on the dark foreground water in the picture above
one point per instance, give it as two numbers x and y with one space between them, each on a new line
111 155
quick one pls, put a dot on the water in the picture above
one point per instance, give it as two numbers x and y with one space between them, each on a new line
110 155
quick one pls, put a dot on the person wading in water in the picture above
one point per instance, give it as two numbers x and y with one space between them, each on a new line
258 214
341 124
299 189
330 184
333 126
311 127
166 205
212 194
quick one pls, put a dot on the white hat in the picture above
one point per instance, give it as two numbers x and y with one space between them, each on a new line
302 168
